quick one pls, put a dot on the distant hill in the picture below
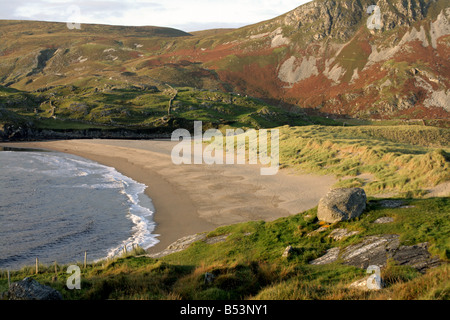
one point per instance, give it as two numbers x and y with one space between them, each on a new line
320 57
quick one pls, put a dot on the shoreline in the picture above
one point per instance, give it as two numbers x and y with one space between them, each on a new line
192 199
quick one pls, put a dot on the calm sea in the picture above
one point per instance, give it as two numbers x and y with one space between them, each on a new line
56 206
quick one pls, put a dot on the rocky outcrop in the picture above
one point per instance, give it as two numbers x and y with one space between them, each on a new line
373 250
179 245
377 250
341 233
329 257
30 289
416 256
341 205
339 19
184 243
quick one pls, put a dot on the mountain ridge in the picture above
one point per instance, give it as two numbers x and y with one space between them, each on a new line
320 58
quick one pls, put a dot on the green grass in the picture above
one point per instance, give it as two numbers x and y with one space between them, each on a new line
131 107
400 159
249 263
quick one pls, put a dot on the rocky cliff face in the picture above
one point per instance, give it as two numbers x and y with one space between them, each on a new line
322 57
335 63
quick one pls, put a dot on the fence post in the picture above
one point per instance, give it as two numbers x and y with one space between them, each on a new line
9 279
37 265
85 259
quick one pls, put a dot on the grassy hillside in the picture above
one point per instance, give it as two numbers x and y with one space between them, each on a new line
320 58
140 106
249 263
399 159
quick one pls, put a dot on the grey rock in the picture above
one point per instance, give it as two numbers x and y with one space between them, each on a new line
416 256
287 252
373 250
185 242
376 250
179 245
329 257
317 231
391 203
217 239
342 204
383 220
30 289
339 234
368 283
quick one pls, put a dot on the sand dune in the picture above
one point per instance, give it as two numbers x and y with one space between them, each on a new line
195 198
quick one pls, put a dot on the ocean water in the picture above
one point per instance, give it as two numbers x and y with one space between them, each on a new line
56 206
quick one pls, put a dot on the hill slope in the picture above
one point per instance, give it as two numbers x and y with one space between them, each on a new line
321 57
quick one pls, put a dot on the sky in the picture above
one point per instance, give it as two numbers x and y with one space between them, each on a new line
187 15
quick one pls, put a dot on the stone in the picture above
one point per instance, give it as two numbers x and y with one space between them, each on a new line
391 203
216 239
416 256
330 256
184 243
317 231
179 245
342 204
339 234
377 250
373 250
367 283
287 252
383 220
30 289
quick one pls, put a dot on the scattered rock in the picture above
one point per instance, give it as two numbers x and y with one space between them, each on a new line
30 289
217 239
384 220
317 231
407 207
329 257
179 245
342 204
287 252
339 234
368 283
185 242
391 203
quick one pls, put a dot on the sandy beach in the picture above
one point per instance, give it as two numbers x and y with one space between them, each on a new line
191 199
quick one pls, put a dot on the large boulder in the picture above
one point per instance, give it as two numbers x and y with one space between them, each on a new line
342 204
30 289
